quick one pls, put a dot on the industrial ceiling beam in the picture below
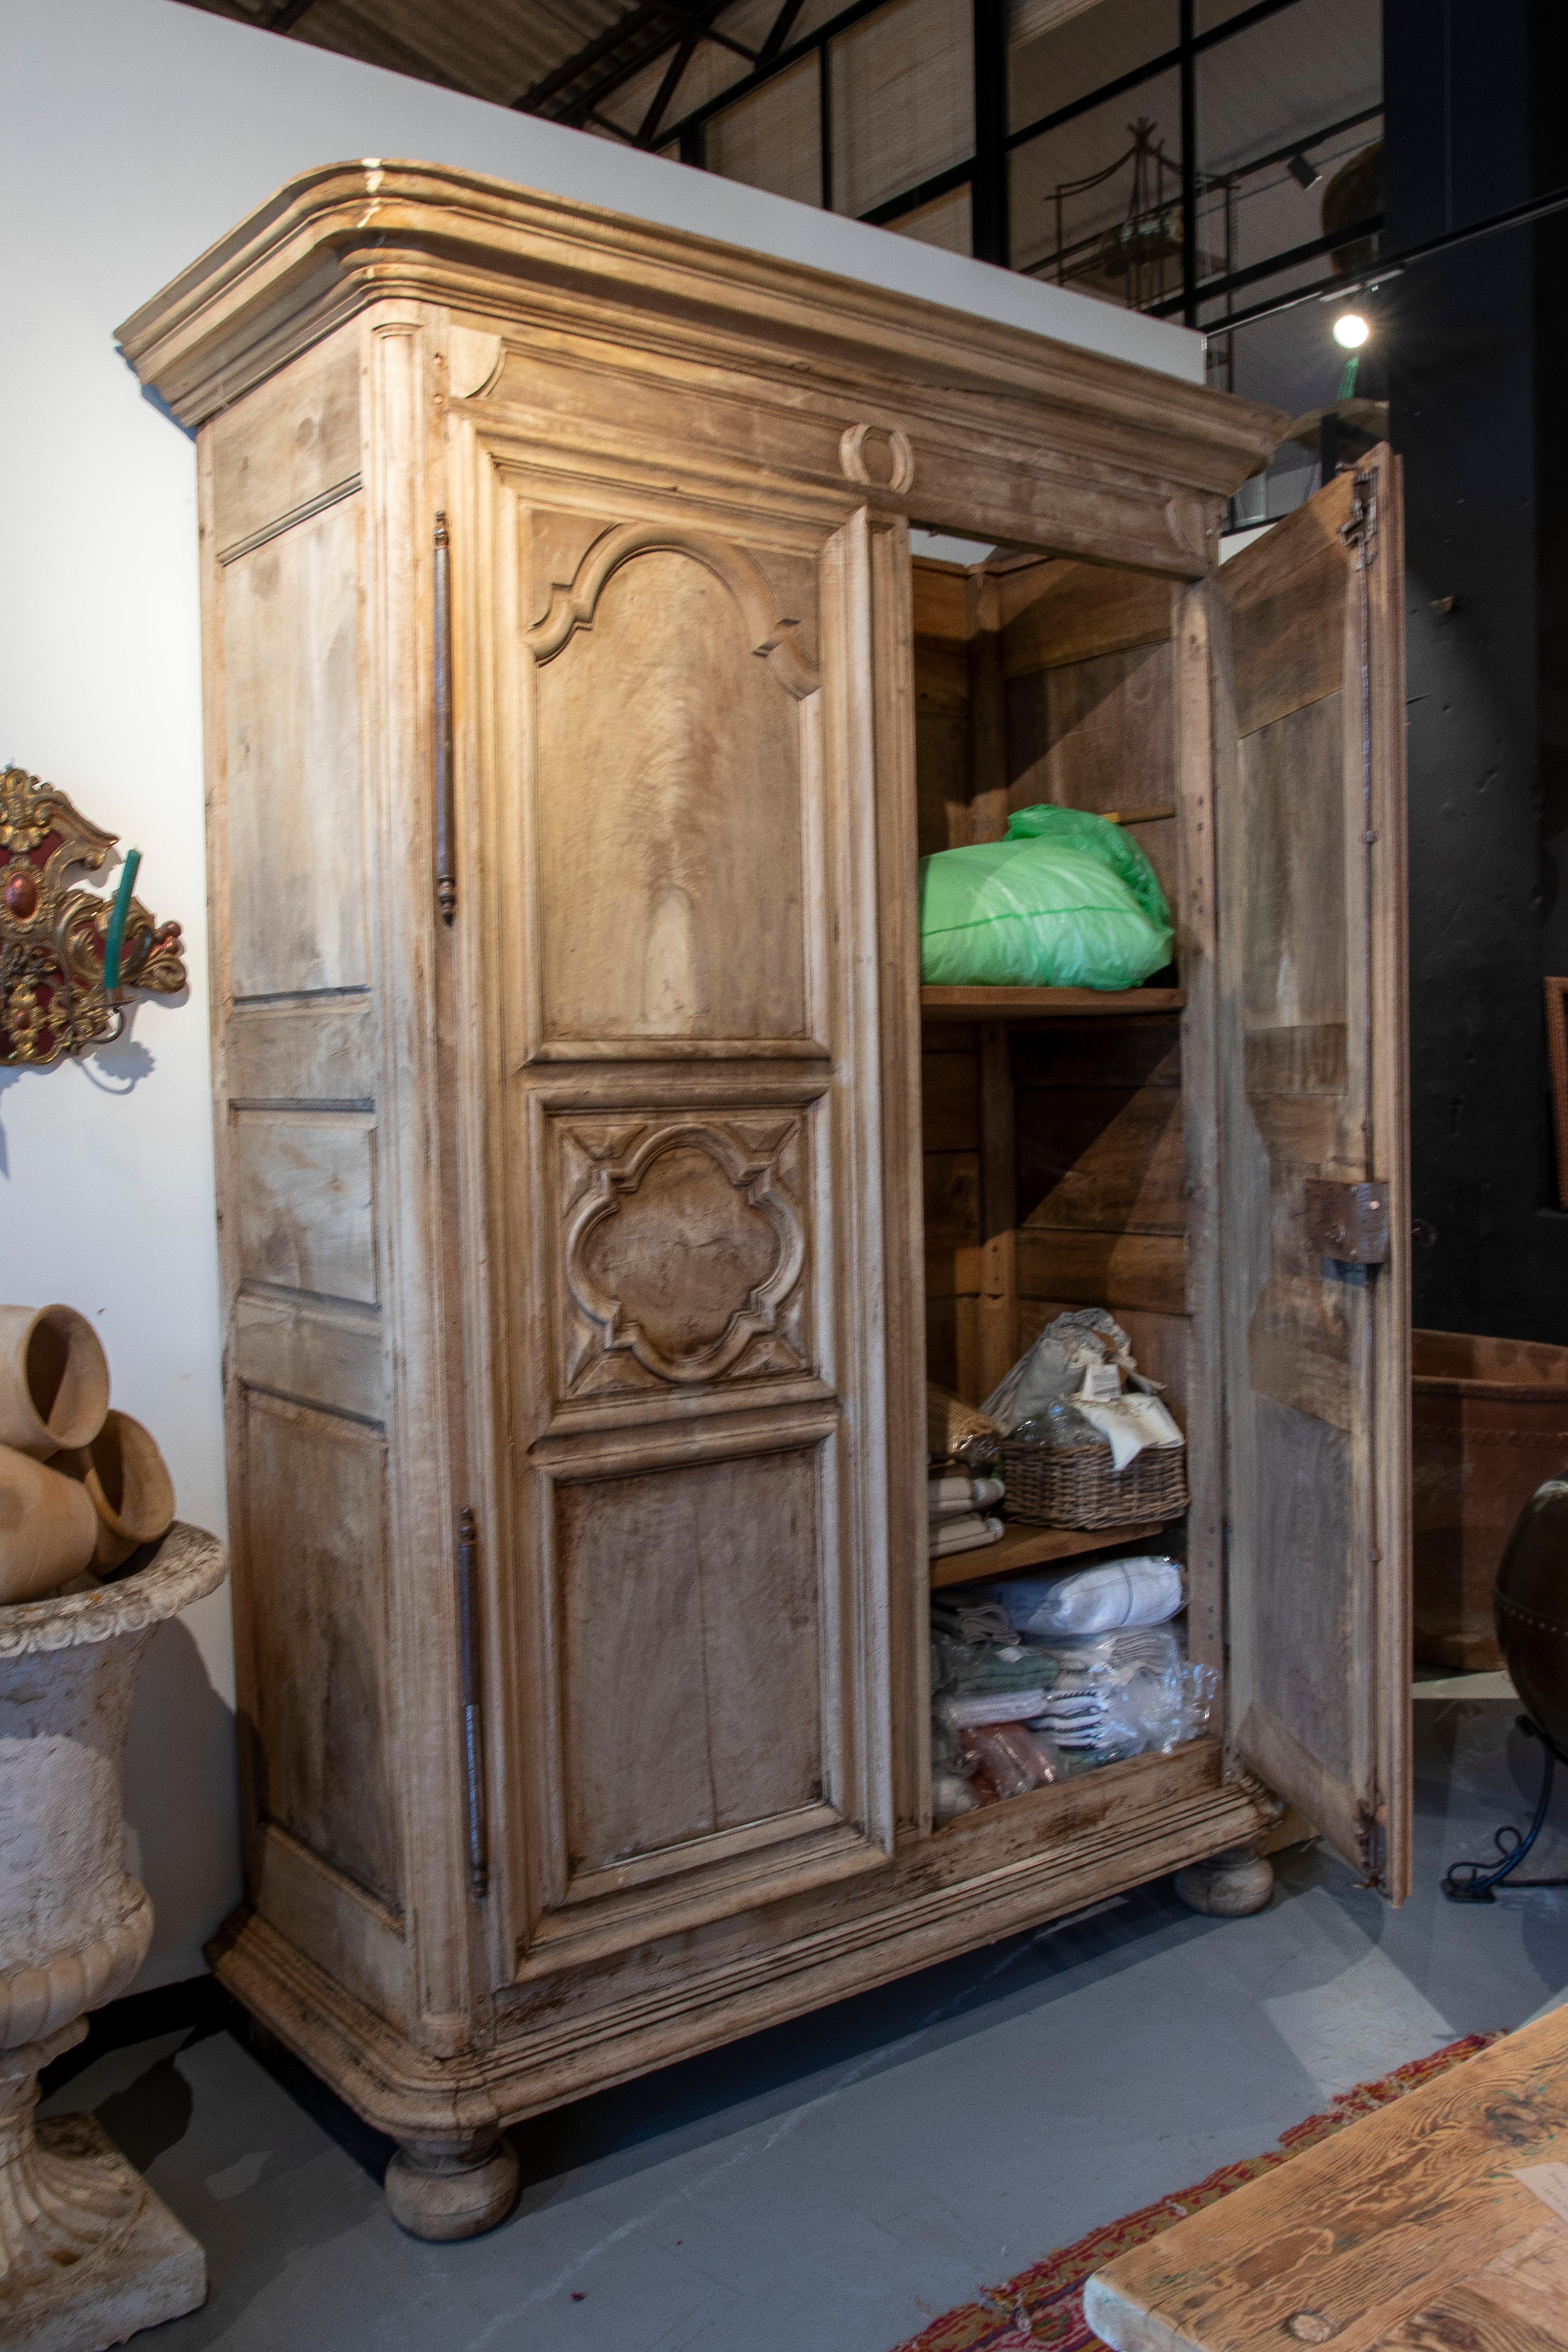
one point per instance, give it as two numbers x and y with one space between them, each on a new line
681 59
696 18
779 31
643 33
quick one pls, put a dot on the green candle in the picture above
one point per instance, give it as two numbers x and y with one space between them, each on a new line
114 937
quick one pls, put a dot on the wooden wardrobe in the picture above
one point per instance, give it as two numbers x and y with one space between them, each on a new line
595 1185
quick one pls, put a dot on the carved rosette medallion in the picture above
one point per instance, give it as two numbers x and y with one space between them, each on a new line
685 1251
52 996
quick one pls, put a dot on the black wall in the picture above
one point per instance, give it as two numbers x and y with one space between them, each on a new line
1475 349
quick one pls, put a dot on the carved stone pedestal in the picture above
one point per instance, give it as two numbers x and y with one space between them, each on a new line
88 2253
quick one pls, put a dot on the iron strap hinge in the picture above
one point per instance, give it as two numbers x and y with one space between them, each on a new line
1372 1844
1348 1223
1361 530
473 1701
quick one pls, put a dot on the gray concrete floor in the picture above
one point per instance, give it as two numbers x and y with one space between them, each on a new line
833 2184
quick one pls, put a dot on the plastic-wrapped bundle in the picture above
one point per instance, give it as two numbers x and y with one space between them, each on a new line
1105 1692
1147 1590
1007 1761
952 1790
1112 1696
1085 1700
950 1794
979 1671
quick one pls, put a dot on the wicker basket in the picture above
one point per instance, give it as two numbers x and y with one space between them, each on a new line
1075 1486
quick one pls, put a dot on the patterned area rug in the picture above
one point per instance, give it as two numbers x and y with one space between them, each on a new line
1044 2305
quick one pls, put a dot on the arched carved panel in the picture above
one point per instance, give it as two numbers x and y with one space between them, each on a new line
669 776
772 634
684 1249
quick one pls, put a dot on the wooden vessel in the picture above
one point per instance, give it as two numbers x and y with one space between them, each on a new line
594 1198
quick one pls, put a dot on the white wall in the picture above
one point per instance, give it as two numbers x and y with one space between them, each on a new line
134 133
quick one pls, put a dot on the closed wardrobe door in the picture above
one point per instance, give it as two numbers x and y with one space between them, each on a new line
691 975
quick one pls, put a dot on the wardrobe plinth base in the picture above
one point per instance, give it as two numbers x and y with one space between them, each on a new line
551 2040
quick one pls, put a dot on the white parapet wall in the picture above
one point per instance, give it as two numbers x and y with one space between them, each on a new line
135 133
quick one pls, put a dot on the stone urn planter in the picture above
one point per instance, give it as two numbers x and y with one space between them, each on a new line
88 2253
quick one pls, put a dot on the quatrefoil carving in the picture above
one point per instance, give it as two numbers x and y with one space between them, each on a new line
684 1244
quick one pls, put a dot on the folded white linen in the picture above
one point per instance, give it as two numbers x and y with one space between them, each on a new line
960 1713
966 1534
949 1497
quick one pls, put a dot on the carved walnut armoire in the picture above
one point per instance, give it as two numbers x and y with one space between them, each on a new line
597 1185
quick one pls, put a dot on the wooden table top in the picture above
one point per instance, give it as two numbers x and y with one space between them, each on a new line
1438 2224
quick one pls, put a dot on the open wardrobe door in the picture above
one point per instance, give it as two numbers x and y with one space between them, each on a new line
1310 735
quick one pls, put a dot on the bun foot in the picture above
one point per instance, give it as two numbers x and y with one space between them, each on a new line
1227 1885
442 2193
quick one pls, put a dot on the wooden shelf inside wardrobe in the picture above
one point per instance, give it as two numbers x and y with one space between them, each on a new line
1026 1547
1044 1004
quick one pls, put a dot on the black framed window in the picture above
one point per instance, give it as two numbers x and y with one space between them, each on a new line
1202 159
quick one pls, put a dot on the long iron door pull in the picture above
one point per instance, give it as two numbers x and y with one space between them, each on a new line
445 821
473 1705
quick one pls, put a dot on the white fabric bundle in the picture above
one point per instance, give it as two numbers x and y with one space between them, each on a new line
1060 1365
966 1534
1129 1424
1145 1591
961 1713
954 1496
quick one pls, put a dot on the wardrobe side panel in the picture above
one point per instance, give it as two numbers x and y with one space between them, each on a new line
297 1081
291 630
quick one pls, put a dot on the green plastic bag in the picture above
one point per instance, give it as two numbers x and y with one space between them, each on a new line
1067 901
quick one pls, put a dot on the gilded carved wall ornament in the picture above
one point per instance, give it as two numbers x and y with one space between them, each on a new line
54 999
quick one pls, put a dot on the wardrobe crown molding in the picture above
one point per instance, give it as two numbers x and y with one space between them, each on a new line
335 240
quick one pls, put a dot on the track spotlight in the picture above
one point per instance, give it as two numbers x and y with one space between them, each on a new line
1351 330
1305 175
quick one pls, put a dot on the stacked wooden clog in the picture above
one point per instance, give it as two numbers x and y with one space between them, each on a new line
81 1486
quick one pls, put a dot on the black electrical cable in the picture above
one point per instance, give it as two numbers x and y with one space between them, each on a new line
1481 1877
